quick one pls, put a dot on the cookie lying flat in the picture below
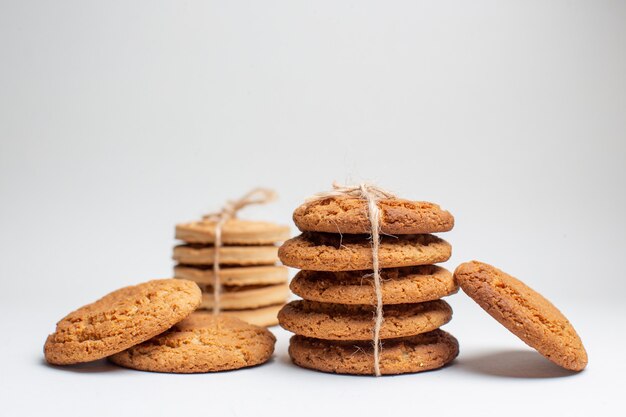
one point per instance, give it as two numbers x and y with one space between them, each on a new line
201 343
229 255
414 284
234 232
262 316
350 215
234 276
333 252
524 312
236 298
419 353
120 320
355 322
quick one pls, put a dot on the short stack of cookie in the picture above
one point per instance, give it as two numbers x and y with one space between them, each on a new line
254 287
334 323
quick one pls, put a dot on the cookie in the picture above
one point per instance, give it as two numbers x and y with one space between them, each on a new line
413 284
229 255
350 215
121 319
525 312
236 298
201 343
234 276
333 252
234 232
356 322
262 316
419 353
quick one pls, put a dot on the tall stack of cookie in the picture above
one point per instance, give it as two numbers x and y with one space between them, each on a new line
354 319
251 285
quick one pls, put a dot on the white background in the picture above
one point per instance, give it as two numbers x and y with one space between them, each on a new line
119 119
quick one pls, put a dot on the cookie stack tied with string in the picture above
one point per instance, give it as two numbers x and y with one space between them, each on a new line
371 292
234 261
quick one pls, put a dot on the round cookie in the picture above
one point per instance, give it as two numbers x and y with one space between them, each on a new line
234 232
525 312
236 298
262 316
356 322
333 252
229 255
201 343
120 320
348 215
234 276
413 284
419 353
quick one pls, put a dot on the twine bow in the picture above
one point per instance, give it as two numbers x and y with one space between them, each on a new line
371 194
229 211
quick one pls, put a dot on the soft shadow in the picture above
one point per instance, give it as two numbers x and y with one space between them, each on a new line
512 364
94 367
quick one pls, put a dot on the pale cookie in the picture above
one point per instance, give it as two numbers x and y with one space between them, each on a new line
234 232
412 284
120 320
229 255
236 298
419 353
333 252
344 214
201 343
262 316
234 276
356 322
525 312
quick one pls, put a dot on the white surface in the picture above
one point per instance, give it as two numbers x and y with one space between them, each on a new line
119 119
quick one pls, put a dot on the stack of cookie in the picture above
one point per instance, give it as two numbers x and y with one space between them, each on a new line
334 323
254 287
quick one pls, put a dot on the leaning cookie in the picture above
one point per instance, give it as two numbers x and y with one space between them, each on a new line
419 353
121 319
343 214
334 252
523 311
201 343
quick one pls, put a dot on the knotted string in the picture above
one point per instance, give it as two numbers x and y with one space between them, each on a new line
371 194
229 211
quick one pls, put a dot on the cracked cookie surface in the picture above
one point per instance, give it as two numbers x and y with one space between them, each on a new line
333 252
524 312
419 353
201 343
344 214
356 322
399 285
121 319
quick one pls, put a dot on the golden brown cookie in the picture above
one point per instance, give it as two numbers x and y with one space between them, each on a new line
120 320
262 316
236 298
201 343
349 215
234 232
411 284
419 353
356 322
229 255
525 312
234 276
333 252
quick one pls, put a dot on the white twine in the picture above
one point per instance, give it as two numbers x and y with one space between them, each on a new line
229 211
372 194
